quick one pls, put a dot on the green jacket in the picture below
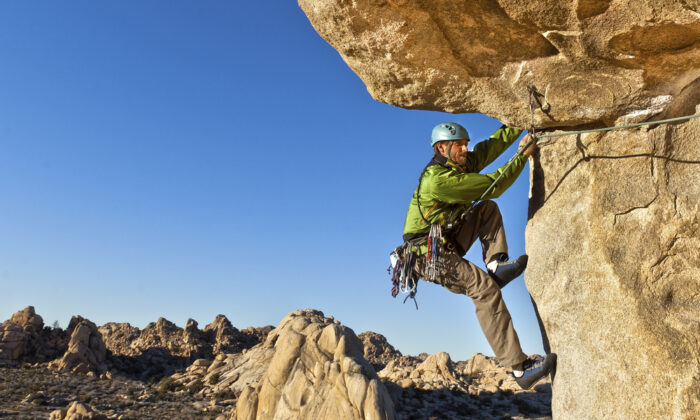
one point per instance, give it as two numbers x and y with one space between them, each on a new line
446 189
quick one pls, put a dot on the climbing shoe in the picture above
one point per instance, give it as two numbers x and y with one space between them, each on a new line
505 271
534 370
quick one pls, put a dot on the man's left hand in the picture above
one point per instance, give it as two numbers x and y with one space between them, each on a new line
531 149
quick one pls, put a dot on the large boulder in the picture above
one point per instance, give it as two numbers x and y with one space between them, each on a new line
314 369
594 60
77 411
613 235
20 335
86 350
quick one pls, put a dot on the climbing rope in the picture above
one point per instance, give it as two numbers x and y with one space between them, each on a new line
620 127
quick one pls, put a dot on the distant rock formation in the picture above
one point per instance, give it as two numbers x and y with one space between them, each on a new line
24 338
220 336
158 350
614 227
86 351
307 367
377 350
19 334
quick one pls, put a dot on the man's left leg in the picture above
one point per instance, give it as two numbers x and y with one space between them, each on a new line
465 278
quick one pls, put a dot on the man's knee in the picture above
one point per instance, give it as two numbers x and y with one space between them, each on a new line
489 206
488 292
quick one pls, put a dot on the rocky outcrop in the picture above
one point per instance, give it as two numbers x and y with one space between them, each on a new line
307 367
77 411
613 235
118 337
161 334
435 386
594 60
19 334
316 370
226 338
24 338
156 351
377 349
86 350
163 347
190 342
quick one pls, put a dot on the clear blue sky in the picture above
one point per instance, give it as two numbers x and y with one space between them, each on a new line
185 159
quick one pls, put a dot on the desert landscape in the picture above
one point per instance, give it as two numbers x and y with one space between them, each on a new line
309 366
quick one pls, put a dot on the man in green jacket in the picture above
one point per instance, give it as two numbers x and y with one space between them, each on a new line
447 188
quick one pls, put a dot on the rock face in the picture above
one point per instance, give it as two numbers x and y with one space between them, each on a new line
594 60
614 234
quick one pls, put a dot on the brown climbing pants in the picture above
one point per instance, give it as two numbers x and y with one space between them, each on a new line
463 277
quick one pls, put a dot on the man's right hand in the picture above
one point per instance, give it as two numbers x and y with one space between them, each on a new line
531 149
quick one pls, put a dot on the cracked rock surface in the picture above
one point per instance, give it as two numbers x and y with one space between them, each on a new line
614 244
594 60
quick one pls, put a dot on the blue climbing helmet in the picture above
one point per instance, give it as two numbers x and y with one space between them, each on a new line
448 131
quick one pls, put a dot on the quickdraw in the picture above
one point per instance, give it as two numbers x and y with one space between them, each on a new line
434 264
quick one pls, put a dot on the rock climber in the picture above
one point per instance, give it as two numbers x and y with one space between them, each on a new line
448 186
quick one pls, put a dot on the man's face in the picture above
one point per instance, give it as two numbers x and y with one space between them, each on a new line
458 152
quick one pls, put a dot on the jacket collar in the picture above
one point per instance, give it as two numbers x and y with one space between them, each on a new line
443 161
